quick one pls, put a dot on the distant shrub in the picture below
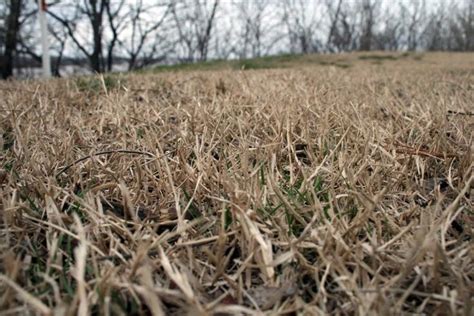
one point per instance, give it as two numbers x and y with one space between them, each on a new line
378 57
98 84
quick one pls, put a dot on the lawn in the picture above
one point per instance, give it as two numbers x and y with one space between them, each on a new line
290 185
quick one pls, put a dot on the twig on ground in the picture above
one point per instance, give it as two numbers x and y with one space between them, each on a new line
108 152
460 113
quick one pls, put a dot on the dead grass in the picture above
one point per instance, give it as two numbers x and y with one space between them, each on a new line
312 190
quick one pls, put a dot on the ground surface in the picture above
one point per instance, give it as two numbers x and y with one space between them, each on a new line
325 184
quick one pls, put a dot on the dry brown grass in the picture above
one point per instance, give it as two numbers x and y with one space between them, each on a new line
313 190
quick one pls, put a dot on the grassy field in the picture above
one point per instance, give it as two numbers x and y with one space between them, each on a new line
292 61
292 185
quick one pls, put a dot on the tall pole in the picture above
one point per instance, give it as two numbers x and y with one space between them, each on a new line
44 38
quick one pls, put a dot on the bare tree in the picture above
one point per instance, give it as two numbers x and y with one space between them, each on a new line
204 33
390 36
412 15
369 10
260 27
93 11
251 26
333 15
117 24
302 21
462 27
343 27
26 41
139 32
144 21
116 28
3 16
27 54
12 29
435 34
194 21
226 39
60 37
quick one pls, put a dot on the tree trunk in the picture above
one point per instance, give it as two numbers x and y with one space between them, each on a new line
96 16
332 29
13 26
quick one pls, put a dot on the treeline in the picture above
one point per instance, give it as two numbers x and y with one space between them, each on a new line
138 33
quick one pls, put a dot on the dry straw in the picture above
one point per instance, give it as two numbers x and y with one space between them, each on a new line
312 190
